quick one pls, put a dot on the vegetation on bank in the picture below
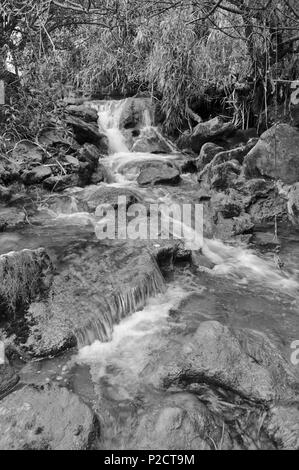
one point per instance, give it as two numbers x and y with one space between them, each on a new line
197 58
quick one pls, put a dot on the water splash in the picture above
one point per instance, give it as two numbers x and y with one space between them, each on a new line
118 306
109 113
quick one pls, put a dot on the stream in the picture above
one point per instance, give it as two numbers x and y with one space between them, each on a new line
244 288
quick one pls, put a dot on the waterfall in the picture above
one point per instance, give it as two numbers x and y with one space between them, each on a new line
119 305
109 113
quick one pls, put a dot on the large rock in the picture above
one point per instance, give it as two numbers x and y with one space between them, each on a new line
46 419
207 153
88 133
37 175
83 111
214 130
151 141
11 218
221 176
159 173
243 362
8 378
98 284
293 203
136 113
276 155
94 196
180 422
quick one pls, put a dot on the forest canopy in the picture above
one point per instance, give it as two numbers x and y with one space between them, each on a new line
233 57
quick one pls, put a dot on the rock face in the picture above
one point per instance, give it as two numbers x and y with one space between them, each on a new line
293 203
49 419
243 362
23 277
8 378
283 141
151 141
211 131
136 113
93 196
87 133
180 422
37 175
159 173
207 153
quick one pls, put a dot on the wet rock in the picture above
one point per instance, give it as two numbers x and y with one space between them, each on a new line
241 137
5 194
226 228
46 419
8 378
98 285
263 211
238 154
241 361
37 175
86 132
180 422
293 203
282 425
158 173
52 137
210 131
275 155
151 141
220 177
82 111
60 183
24 275
11 218
28 152
207 153
135 112
93 196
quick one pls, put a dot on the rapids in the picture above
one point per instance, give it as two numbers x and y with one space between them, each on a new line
244 288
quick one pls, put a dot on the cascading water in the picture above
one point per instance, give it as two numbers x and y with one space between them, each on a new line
125 165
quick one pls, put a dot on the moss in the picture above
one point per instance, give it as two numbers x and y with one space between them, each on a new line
23 278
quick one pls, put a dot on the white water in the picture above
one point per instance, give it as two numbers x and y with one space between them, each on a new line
132 341
135 336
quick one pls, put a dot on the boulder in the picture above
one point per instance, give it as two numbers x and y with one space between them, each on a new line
82 111
158 173
60 183
136 113
221 176
88 132
37 175
264 210
179 422
8 378
98 285
207 153
276 155
28 152
12 218
211 131
151 141
293 203
238 153
244 362
93 196
46 419
52 137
